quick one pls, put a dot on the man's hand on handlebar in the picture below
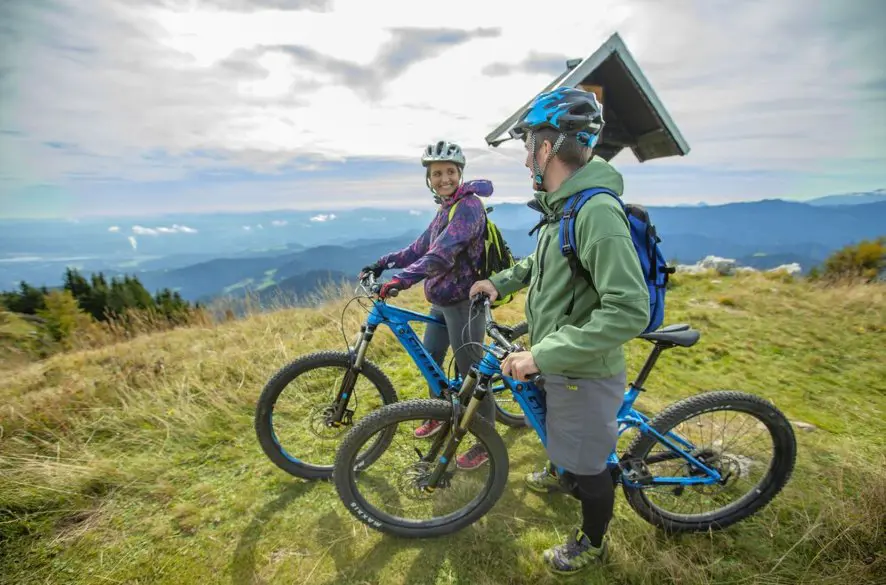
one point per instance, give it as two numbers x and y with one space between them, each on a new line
486 287
520 366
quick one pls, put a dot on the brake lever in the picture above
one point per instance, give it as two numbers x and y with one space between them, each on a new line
506 331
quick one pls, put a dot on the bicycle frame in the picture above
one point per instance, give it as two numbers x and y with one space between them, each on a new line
532 401
398 320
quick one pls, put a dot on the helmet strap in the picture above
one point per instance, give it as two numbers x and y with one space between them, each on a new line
538 173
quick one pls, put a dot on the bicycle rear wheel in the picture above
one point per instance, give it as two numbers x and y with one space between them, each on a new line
391 500
752 483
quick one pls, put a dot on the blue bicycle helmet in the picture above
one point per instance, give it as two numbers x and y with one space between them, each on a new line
568 110
572 112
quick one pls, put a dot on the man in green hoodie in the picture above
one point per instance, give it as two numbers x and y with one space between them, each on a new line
577 326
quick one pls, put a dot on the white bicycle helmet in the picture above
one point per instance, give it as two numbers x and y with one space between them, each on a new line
443 151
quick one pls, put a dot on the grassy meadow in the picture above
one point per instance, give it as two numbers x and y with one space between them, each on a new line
137 462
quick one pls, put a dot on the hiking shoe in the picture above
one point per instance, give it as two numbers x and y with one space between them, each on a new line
542 481
428 429
473 458
576 554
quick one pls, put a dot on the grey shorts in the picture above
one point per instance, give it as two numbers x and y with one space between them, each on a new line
581 421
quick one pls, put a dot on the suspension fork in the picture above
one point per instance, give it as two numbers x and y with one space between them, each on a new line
474 389
345 390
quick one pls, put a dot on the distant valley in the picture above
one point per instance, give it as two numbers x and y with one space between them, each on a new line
207 256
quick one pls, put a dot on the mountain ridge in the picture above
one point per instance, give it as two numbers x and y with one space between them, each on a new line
770 228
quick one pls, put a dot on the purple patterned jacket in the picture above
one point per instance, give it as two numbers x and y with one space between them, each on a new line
447 254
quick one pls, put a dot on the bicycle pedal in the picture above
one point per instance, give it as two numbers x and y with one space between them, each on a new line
636 471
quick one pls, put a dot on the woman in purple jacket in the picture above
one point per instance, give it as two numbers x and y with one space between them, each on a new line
447 257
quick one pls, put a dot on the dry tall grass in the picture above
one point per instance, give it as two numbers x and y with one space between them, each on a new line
137 462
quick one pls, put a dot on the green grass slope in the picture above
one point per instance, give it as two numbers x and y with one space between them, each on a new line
137 463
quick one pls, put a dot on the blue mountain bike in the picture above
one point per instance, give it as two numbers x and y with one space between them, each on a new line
308 405
690 468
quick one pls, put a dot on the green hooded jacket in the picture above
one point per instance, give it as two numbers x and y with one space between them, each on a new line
589 342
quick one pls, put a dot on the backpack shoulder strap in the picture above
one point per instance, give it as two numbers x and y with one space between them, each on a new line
454 205
452 210
568 243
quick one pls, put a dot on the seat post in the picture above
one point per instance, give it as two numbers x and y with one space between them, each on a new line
650 363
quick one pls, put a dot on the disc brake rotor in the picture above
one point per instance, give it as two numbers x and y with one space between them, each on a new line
414 479
322 425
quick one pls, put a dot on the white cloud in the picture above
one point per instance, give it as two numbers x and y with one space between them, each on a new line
750 84
414 212
175 229
114 229
143 231
279 222
133 242
247 228
373 219
323 217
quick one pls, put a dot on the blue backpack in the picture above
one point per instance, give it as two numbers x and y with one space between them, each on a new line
646 243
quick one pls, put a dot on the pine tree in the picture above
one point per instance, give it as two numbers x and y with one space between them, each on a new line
61 316
77 284
27 300
96 303
142 299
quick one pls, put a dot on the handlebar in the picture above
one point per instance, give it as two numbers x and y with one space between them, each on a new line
493 329
372 286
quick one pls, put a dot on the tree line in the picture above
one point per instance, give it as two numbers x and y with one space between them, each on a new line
102 300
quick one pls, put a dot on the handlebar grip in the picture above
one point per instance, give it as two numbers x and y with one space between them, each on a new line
479 298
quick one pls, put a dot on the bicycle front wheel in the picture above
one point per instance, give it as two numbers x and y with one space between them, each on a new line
293 416
387 495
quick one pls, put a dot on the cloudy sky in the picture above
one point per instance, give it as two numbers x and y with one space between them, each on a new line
143 106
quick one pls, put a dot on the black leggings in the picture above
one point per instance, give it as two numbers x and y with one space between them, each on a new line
597 496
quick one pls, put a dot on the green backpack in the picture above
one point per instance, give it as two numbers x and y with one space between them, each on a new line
496 253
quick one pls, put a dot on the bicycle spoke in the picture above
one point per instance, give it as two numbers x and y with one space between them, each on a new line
393 484
721 443
302 413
